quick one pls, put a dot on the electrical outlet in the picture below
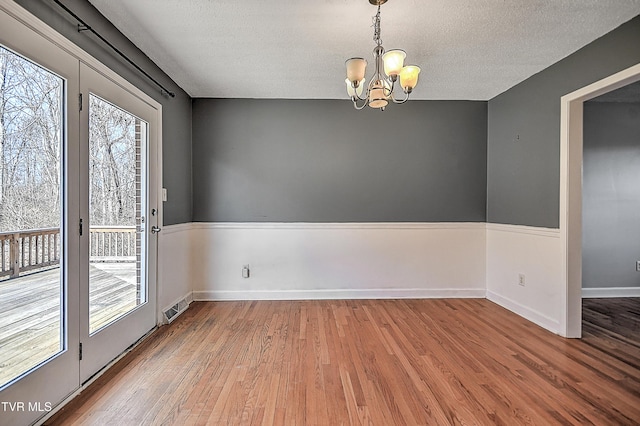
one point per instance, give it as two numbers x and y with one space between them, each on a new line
246 273
521 280
638 265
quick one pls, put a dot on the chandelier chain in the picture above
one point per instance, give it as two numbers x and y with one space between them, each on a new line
376 28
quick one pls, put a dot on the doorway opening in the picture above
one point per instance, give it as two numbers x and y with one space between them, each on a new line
610 216
571 180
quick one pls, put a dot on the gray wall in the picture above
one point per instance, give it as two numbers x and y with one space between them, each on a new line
323 161
523 177
176 124
611 195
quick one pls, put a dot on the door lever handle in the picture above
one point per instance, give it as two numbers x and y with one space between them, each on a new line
155 229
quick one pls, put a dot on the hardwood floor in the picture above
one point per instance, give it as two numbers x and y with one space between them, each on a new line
380 362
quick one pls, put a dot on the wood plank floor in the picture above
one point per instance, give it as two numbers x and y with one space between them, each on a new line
30 312
380 362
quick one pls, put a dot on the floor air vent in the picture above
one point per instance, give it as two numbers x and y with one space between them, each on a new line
174 311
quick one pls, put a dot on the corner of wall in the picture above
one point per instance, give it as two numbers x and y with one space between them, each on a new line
175 268
524 272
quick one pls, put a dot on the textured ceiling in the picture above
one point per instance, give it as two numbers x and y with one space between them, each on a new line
467 49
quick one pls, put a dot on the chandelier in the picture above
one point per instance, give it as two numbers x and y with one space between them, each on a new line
380 89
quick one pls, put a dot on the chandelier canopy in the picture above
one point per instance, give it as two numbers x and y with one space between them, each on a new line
380 89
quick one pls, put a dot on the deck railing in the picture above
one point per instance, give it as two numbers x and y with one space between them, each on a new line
112 244
23 251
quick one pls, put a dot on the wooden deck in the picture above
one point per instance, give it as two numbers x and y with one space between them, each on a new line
30 312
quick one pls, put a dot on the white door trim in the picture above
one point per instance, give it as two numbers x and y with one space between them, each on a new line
571 122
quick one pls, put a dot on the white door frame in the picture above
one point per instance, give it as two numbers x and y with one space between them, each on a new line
571 140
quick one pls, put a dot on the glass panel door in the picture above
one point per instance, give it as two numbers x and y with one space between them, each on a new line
118 210
38 214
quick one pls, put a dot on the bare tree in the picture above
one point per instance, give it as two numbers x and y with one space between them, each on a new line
31 151
30 135
112 164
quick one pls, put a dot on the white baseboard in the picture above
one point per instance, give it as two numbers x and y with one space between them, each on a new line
603 292
525 312
408 293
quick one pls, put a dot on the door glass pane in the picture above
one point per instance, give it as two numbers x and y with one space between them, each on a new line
31 247
117 146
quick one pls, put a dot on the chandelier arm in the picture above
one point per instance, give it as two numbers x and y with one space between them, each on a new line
401 101
356 97
355 103
391 85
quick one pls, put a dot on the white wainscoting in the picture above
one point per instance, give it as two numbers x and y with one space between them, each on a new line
325 261
535 252
290 261
175 268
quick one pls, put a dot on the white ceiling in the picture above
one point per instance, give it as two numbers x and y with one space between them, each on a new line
467 49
